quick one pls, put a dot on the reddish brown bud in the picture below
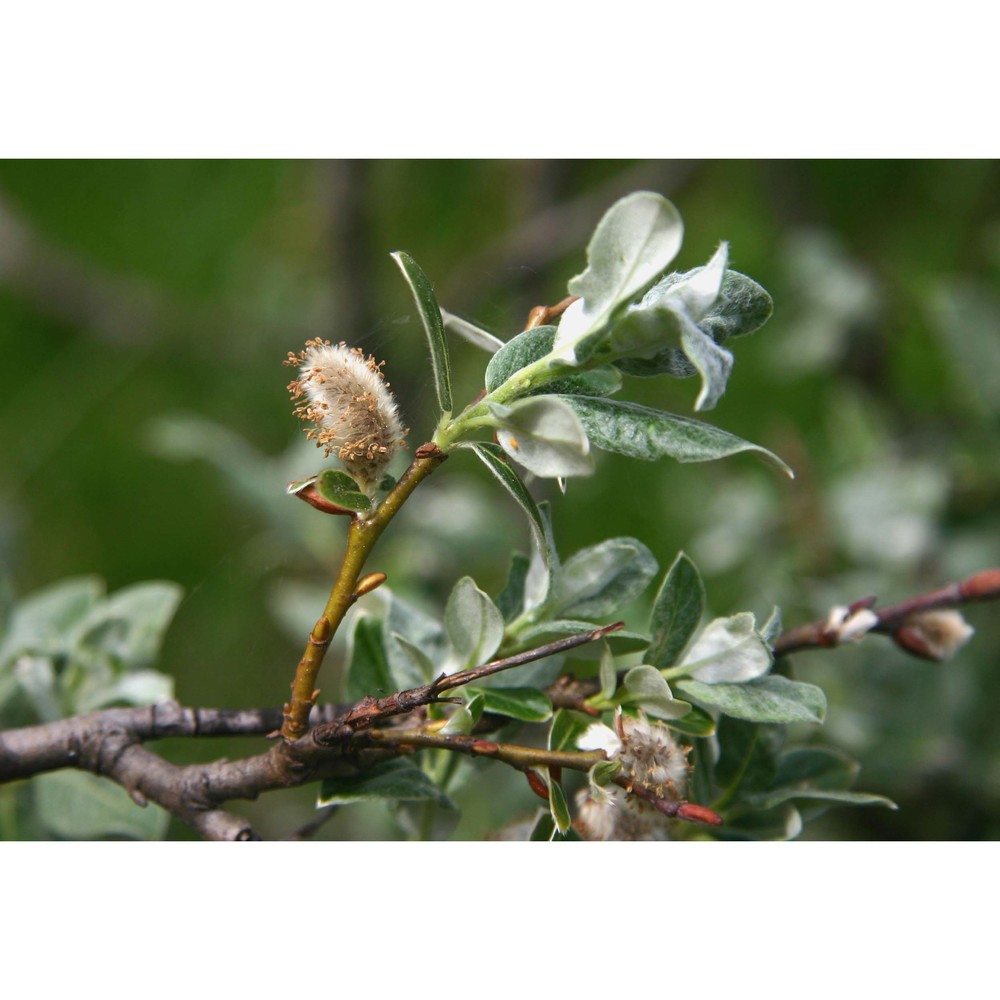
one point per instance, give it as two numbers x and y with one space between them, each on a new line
537 785
933 635
429 450
487 747
699 814
982 586
913 641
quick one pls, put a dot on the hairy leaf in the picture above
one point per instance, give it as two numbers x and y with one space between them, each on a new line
676 612
470 332
623 640
696 723
430 317
532 345
390 779
492 457
545 830
76 805
368 670
599 580
42 621
566 726
510 601
559 807
641 432
766 699
728 651
783 822
647 688
544 435
474 626
633 244
527 704
742 307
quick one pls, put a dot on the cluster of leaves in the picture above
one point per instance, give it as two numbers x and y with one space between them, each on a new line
71 649
547 400
711 683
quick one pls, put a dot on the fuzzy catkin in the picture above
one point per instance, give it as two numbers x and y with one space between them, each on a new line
349 406
651 759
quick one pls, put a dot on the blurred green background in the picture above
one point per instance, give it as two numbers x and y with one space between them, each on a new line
145 430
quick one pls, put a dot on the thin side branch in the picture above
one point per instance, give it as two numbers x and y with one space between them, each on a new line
983 586
370 711
361 538
111 743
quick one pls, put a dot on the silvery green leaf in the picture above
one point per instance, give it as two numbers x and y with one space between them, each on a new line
781 823
41 622
803 796
469 331
558 806
647 688
599 580
765 699
632 245
409 665
728 651
545 567
771 628
36 679
531 346
139 687
545 830
544 434
76 805
641 432
368 670
129 625
526 704
600 776
510 601
747 755
492 457
607 673
390 779
623 641
817 774
699 289
415 643
566 726
714 364
430 317
459 723
696 723
474 626
742 307
518 353
676 613
815 767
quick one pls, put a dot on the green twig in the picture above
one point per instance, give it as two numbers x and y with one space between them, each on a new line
361 538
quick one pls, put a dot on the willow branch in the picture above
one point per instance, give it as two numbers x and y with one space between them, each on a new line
520 757
370 711
983 586
110 743
361 538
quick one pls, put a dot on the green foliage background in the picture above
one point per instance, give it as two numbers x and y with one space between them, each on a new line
145 431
